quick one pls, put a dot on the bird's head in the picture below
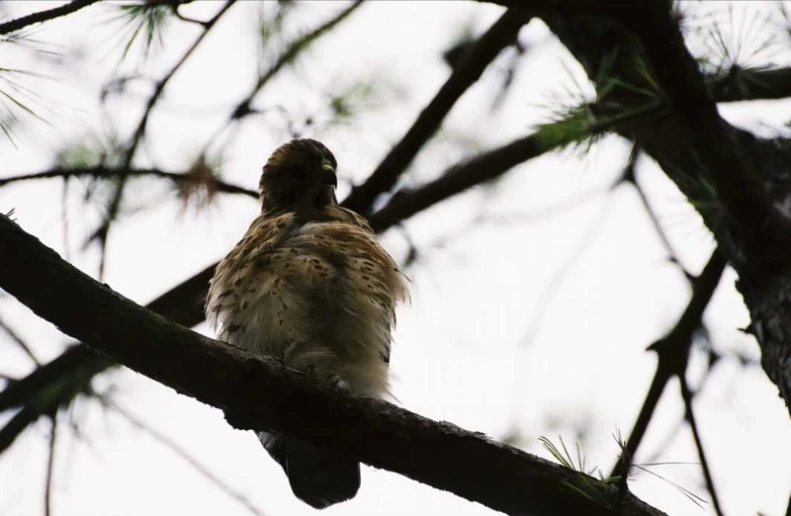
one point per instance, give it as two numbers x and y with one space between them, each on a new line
299 175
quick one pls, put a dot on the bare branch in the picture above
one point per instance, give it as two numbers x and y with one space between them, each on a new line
480 169
101 234
751 84
42 16
160 86
101 171
373 431
19 341
50 465
291 52
673 352
499 36
686 395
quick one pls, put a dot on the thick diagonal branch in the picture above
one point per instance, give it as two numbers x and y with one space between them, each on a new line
376 432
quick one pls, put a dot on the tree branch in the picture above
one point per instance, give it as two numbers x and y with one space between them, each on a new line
288 56
179 178
50 466
500 35
751 84
19 341
689 414
460 177
42 16
746 210
672 353
101 234
375 432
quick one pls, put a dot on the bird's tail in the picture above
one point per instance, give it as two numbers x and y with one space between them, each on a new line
318 477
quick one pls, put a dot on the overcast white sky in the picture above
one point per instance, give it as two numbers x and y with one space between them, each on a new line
481 345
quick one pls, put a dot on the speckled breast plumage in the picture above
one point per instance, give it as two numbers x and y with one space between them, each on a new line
319 294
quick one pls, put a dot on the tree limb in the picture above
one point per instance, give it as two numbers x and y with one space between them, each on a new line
751 84
689 414
499 36
42 16
102 171
673 352
374 431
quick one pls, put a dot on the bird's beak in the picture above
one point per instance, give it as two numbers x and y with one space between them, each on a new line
328 174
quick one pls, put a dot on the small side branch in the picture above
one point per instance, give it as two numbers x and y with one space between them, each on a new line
42 16
673 352
50 465
686 395
499 36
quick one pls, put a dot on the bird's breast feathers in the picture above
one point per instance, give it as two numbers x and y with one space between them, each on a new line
320 294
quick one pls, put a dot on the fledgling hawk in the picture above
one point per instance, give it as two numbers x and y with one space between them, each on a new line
309 284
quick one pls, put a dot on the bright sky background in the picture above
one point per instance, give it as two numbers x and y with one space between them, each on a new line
481 345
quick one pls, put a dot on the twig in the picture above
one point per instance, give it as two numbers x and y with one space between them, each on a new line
176 448
160 86
500 35
50 465
42 16
482 168
686 395
291 52
20 342
101 171
460 177
673 352
102 233
652 215
664 444
559 275
751 84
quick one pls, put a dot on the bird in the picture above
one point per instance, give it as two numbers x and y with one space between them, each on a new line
309 284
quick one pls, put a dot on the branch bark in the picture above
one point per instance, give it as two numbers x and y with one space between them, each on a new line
374 431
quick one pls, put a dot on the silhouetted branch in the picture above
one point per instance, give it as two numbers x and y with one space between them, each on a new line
50 466
652 215
751 84
373 431
673 352
475 171
159 88
19 341
101 234
179 178
686 395
42 16
288 56
499 36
